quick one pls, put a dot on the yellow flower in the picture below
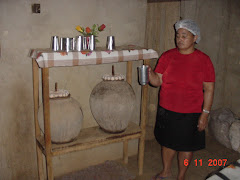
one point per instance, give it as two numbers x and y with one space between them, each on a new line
80 29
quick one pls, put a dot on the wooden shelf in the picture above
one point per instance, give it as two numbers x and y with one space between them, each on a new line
90 138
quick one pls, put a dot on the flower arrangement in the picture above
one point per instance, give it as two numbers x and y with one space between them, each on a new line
91 31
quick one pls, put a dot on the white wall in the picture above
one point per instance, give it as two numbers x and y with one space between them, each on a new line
20 30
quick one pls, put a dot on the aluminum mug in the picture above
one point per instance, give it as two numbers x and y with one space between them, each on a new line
84 43
110 45
143 76
65 44
55 43
79 43
71 44
91 41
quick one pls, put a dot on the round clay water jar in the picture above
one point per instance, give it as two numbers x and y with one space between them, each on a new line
112 104
65 119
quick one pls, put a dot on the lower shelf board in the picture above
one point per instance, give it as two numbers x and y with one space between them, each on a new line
90 138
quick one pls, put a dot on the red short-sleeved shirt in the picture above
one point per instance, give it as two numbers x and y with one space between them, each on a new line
183 76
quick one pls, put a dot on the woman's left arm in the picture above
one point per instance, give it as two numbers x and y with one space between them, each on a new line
208 88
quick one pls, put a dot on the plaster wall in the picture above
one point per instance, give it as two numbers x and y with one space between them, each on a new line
20 30
213 28
220 40
232 77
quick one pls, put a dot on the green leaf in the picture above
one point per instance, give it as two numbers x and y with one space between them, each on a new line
94 26
95 33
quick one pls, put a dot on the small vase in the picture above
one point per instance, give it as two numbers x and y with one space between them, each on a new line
89 42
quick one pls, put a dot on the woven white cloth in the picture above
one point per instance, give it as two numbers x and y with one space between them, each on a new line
47 58
232 172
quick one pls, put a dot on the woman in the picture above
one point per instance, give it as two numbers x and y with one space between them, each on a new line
186 76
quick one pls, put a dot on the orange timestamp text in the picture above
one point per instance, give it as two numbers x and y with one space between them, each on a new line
211 162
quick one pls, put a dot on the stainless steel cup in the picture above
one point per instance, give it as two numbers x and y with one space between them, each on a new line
143 76
110 43
85 43
55 43
91 41
71 44
65 44
79 43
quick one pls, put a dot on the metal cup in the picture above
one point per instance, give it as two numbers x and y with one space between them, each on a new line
110 43
79 43
91 41
55 43
65 44
143 76
84 43
71 44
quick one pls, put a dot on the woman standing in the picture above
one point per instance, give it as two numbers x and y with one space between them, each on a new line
186 76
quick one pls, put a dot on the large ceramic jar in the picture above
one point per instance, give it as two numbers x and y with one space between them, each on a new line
112 103
65 119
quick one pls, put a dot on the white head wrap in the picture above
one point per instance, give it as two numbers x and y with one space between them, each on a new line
189 25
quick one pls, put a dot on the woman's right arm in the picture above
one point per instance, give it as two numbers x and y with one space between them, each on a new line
155 78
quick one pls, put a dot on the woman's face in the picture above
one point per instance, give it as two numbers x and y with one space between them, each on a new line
185 39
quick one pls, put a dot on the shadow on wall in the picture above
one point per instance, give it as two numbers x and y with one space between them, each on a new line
18 132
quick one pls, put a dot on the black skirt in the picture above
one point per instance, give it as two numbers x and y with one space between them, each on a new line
178 131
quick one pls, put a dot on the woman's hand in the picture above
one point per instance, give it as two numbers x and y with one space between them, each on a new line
202 121
154 78
150 71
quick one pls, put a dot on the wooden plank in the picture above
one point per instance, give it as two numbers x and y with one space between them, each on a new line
129 72
47 127
93 145
143 124
84 146
159 1
93 137
35 72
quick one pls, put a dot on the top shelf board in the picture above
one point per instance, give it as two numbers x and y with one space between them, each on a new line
47 58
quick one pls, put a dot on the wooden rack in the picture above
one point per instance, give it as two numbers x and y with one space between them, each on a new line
83 141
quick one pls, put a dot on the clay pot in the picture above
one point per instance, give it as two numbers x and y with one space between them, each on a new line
65 119
112 104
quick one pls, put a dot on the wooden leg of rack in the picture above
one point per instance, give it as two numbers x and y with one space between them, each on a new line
143 128
37 128
129 72
40 163
143 125
125 143
141 156
47 127
125 151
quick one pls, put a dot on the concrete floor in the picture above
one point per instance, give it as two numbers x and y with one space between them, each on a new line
152 160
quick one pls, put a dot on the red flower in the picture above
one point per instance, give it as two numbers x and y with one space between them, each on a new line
88 30
102 27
